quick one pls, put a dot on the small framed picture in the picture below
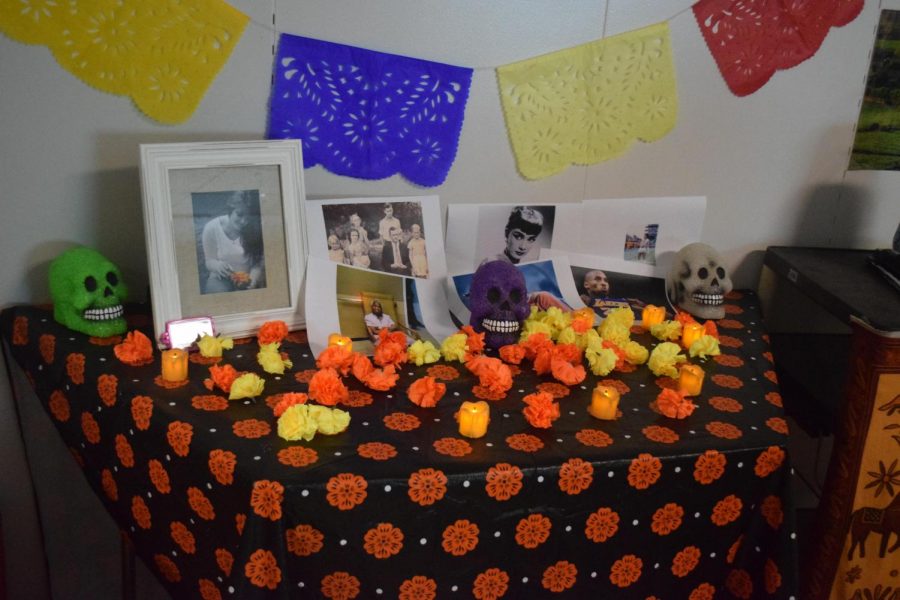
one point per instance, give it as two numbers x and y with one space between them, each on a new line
224 223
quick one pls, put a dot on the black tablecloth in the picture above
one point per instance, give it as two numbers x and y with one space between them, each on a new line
400 505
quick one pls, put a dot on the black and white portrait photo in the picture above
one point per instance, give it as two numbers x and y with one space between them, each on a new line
382 236
229 241
513 234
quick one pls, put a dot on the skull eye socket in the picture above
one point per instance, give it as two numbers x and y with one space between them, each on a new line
112 279
703 273
90 284
493 295
515 296
720 272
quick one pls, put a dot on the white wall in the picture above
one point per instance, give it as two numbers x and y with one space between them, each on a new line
772 165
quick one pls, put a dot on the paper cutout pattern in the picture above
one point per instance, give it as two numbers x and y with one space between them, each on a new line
368 114
164 55
751 39
589 103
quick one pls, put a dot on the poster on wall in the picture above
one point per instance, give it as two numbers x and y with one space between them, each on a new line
877 143
358 302
477 233
643 232
396 235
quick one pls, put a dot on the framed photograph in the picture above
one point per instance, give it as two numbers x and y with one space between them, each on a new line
224 223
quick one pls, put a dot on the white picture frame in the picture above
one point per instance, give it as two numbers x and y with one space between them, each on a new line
196 197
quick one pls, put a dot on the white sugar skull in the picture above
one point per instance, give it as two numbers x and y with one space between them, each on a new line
698 281
498 300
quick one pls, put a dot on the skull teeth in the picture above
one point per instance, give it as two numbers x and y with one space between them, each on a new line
497 326
708 299
104 314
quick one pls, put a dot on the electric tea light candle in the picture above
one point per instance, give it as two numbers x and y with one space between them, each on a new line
653 315
336 339
690 333
604 402
474 418
690 380
174 364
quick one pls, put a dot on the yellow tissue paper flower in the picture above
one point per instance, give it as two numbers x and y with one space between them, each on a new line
248 385
556 319
269 358
705 346
454 347
622 316
592 338
295 424
423 353
615 332
535 326
568 336
666 331
635 353
601 360
329 421
663 359
212 346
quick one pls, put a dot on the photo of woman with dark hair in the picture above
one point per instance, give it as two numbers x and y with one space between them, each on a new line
232 245
523 227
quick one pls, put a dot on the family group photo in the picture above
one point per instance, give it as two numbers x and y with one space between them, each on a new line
387 237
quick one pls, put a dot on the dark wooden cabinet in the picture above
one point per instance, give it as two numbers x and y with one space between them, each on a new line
834 324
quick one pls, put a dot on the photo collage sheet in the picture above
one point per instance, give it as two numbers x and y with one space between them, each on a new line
375 263
602 254
383 262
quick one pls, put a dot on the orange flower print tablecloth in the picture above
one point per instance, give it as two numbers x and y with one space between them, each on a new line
401 506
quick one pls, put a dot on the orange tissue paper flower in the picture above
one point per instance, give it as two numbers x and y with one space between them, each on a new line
543 358
390 349
497 378
326 387
674 405
541 409
382 379
492 373
512 353
339 358
272 331
569 352
684 317
135 350
709 328
476 364
221 376
426 392
566 372
474 341
361 367
288 400
535 342
582 320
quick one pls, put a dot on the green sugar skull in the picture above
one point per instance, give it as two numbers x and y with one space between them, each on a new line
88 292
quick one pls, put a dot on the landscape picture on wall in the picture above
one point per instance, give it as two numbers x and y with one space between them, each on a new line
877 143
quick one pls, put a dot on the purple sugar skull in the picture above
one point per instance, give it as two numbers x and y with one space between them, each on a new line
498 301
